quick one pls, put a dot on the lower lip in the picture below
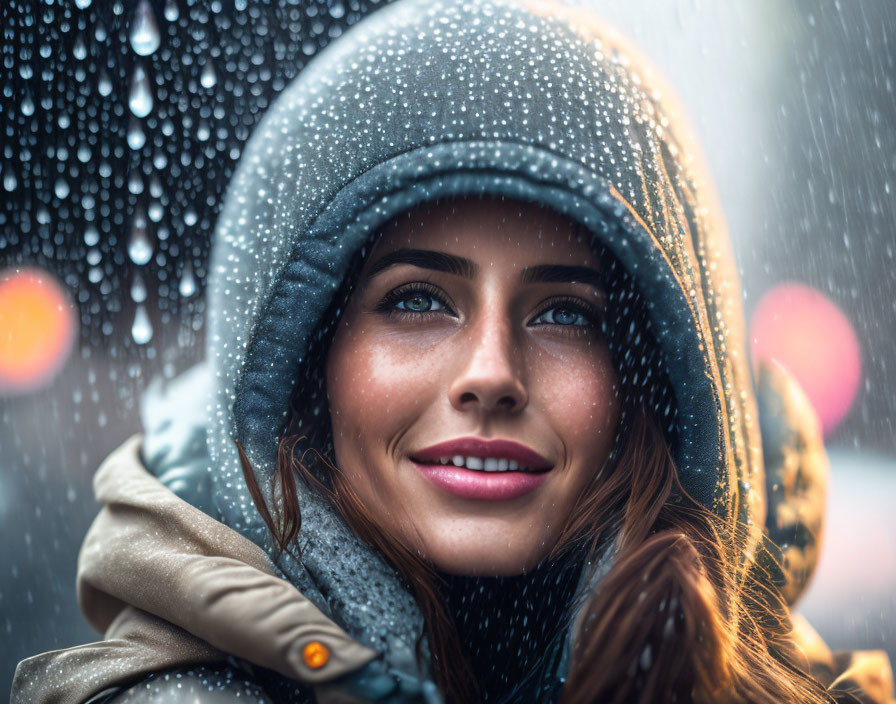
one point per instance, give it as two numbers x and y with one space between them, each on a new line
489 486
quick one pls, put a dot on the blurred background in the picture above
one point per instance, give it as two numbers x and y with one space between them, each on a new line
122 122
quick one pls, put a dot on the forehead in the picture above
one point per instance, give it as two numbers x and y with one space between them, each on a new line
490 231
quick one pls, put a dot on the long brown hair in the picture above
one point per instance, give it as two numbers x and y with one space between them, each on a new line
674 620
669 622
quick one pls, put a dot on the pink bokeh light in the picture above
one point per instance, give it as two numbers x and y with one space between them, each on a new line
805 332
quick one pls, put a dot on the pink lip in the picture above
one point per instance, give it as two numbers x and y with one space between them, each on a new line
473 484
482 447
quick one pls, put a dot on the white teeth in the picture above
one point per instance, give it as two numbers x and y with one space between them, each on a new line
473 462
487 464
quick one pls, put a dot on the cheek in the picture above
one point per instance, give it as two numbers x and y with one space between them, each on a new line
579 393
377 386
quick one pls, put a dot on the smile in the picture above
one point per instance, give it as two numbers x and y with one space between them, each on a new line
478 468
483 455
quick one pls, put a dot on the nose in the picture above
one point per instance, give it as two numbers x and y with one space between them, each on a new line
490 375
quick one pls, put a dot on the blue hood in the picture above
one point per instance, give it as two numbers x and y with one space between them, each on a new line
428 99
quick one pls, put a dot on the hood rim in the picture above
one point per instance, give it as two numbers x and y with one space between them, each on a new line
442 170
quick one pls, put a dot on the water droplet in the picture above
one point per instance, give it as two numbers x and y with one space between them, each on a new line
337 10
91 236
209 78
145 36
139 246
9 181
171 11
155 211
83 153
135 183
138 289
105 83
136 136
79 51
27 106
82 4
190 217
141 330
61 188
140 101
187 285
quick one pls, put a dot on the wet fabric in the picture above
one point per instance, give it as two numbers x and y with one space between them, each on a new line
168 586
433 99
429 100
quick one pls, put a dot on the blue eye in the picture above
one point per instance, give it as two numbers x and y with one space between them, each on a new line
419 302
566 315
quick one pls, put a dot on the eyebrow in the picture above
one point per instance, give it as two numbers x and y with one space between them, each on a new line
425 259
561 273
461 266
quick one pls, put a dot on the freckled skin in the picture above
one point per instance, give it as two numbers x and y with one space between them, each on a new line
490 363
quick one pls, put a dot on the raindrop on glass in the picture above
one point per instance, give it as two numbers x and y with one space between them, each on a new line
61 188
91 236
187 285
135 183
144 30
9 181
139 246
140 101
141 330
136 136
156 211
82 4
171 11
209 78
105 84
27 106
138 289
337 10
83 153
190 217
155 187
79 51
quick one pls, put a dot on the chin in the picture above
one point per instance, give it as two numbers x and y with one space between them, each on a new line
475 551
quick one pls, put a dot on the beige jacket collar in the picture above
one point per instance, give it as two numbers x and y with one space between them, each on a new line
170 586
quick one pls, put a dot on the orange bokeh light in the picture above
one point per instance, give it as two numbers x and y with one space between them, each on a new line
37 329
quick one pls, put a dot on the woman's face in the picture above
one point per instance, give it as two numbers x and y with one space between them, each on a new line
471 393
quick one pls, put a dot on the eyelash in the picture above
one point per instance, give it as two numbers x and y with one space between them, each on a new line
403 293
388 306
573 305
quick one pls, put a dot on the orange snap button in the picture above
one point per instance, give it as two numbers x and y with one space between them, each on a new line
315 654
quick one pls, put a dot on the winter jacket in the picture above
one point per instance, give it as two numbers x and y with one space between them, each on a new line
424 99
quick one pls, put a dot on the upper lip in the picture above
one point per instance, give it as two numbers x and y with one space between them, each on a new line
483 447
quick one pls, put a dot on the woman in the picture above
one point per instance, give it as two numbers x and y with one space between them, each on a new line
468 235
